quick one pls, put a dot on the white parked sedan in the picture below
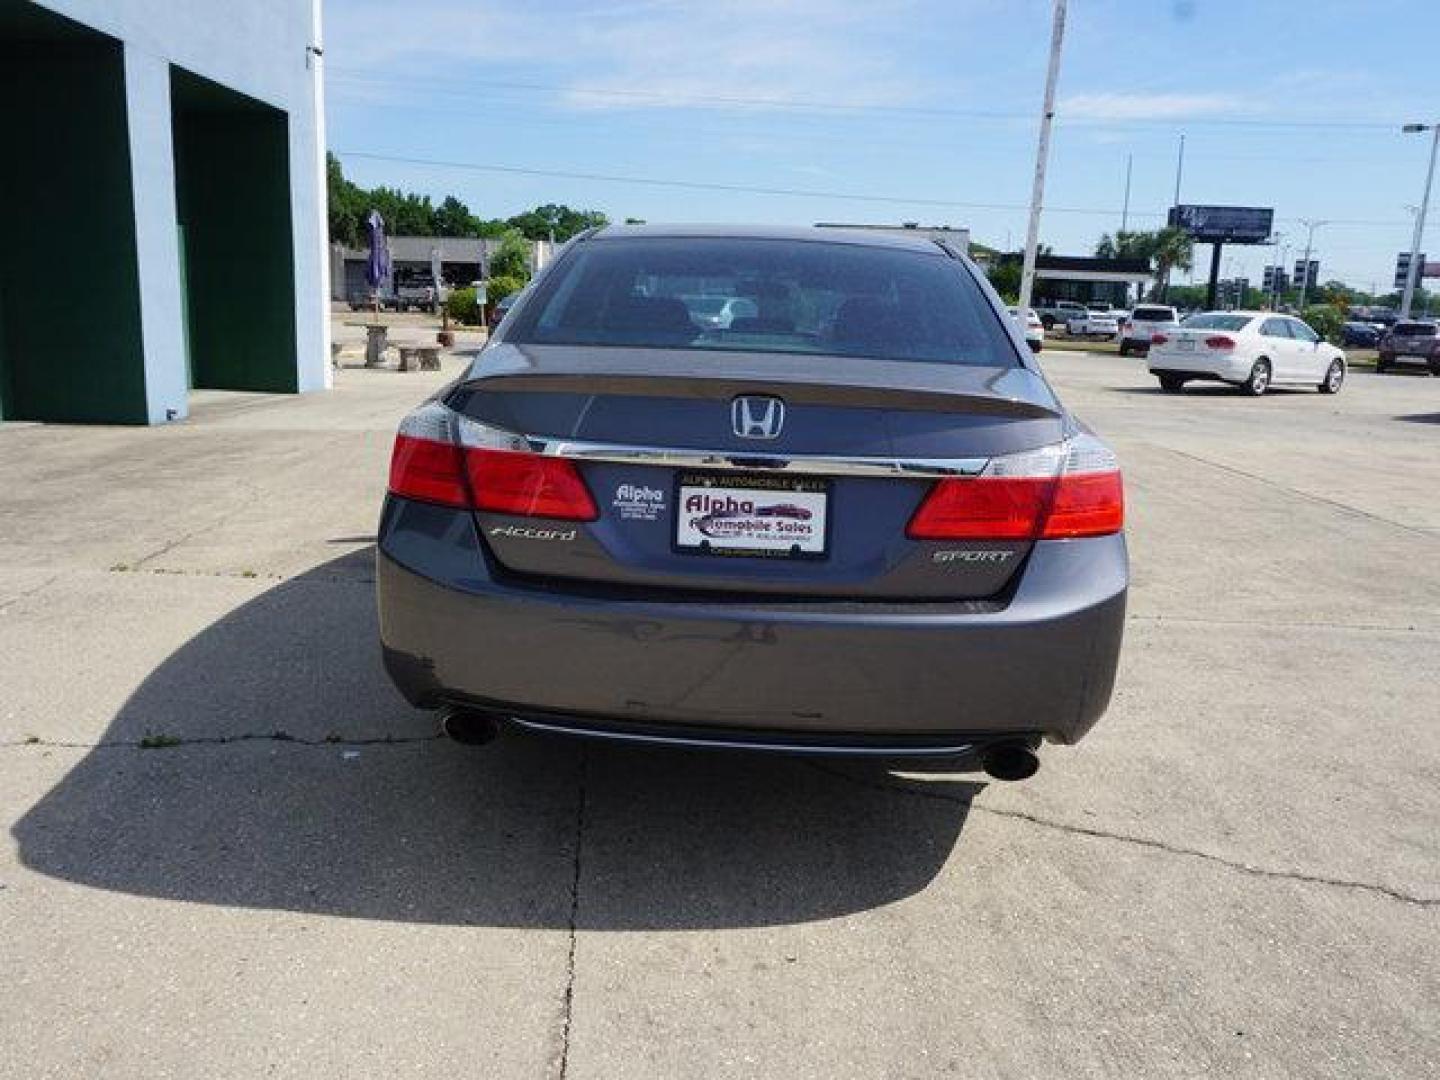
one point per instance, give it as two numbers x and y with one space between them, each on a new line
1033 328
1093 324
1254 350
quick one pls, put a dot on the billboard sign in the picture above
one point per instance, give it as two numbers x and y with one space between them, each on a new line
1223 224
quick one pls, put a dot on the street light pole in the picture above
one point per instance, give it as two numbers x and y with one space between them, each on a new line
1042 154
1415 272
1179 170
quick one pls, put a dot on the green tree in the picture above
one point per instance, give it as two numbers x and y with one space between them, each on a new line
1127 244
1004 274
347 205
1174 250
512 260
453 218
1164 249
562 222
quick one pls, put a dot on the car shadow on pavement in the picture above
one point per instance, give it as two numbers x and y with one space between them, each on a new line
242 799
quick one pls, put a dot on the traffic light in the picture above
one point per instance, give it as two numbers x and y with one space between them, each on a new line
1402 268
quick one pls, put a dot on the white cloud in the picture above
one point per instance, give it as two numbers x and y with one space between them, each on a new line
635 55
1140 106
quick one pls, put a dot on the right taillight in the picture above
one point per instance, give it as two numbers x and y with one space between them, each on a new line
1060 492
1158 339
442 457
1219 341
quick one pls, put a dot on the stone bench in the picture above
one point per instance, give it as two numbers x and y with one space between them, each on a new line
425 357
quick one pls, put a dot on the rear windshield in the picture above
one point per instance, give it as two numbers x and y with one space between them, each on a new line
793 297
1153 314
1414 329
1216 320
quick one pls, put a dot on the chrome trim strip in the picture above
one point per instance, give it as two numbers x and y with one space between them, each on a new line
807 464
773 746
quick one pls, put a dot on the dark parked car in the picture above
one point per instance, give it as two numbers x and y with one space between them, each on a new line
860 523
501 308
1410 343
1359 334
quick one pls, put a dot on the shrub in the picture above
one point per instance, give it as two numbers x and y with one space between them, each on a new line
461 307
1325 321
512 259
497 288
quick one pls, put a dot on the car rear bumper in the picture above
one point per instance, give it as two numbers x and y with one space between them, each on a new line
1041 661
1198 365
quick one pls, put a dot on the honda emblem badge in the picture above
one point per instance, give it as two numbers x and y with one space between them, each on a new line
757 417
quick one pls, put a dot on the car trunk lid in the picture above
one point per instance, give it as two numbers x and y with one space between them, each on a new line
688 498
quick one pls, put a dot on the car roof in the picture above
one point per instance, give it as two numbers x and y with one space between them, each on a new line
811 234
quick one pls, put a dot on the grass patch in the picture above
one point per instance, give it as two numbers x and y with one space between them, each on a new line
158 742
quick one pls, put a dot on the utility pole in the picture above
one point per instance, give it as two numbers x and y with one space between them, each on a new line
1179 171
1310 226
1042 154
1125 213
1416 272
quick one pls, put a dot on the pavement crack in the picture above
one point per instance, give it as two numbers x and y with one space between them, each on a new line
567 1004
1298 493
25 594
252 496
161 741
1139 841
1281 624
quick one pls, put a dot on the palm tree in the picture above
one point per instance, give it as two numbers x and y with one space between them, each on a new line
1171 249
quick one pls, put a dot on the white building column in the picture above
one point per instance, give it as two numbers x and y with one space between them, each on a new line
157 244
311 219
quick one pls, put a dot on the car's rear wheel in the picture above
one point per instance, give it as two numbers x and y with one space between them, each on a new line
1124 349
1172 384
1259 380
1334 378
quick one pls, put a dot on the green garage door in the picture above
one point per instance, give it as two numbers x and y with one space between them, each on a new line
70 344
232 187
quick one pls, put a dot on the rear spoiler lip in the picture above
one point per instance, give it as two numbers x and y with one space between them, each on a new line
1014 391
795 391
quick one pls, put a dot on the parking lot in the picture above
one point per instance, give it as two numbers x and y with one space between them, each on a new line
233 850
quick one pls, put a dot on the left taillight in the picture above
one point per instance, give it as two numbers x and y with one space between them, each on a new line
442 457
1070 490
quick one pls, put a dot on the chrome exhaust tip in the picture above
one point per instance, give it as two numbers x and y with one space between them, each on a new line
470 727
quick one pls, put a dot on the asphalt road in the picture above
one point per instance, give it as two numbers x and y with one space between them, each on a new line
233 851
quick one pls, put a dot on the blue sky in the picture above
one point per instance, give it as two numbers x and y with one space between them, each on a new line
930 103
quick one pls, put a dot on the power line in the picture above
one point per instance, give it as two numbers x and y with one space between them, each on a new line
705 185
665 98
746 189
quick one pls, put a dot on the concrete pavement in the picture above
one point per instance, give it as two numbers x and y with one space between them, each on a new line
234 851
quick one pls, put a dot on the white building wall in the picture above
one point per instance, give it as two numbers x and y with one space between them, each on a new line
261 48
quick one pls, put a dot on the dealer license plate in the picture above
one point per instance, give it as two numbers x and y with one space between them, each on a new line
778 517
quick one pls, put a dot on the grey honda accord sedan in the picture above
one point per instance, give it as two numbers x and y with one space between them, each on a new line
853 518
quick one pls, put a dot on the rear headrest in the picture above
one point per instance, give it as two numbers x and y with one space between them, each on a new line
656 313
